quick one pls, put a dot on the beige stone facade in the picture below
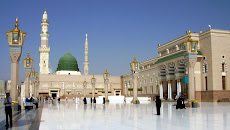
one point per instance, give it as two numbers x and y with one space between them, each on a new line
166 72
72 85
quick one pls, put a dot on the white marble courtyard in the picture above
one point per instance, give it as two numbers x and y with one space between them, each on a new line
121 116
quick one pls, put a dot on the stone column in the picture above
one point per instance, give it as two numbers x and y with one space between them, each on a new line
106 90
14 75
169 90
191 85
178 88
84 92
135 75
93 85
161 89
33 88
27 84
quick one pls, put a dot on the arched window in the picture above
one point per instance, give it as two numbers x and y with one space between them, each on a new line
205 67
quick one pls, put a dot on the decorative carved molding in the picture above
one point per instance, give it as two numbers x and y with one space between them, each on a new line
191 63
27 74
15 57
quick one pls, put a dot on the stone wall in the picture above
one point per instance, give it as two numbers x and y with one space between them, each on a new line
212 96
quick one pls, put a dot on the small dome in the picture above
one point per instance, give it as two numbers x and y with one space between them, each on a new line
67 62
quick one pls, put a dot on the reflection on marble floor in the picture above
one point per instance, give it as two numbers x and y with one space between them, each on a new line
111 116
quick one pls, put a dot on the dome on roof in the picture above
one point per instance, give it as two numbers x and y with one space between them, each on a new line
67 63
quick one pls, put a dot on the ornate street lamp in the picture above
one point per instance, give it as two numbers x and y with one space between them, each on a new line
106 76
135 67
33 77
84 86
93 81
27 63
15 41
190 57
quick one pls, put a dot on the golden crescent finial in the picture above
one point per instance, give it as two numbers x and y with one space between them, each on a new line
16 24
189 34
28 54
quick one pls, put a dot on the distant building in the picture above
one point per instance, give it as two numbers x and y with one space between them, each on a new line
8 87
2 88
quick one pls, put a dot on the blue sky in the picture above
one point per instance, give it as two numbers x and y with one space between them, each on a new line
117 29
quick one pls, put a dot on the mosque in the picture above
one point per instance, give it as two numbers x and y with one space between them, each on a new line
68 80
194 65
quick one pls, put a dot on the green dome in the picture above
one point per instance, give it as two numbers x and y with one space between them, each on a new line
67 63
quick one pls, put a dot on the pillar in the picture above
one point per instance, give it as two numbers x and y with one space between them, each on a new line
93 90
27 84
191 85
33 89
135 87
106 90
84 92
14 75
169 90
178 88
161 90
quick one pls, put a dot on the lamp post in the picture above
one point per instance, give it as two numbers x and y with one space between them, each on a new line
106 76
135 67
33 77
27 63
93 81
190 57
36 87
84 86
15 41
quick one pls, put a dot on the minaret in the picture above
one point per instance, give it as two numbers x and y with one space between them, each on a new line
44 50
86 63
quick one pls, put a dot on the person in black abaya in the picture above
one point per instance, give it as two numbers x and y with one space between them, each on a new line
158 104
180 103
94 100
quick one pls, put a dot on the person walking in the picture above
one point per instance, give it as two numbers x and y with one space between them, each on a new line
158 104
8 109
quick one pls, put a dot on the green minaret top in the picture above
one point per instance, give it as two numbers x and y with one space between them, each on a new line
67 63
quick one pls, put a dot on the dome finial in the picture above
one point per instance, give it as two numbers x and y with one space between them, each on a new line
16 24
28 54
86 35
189 34
68 51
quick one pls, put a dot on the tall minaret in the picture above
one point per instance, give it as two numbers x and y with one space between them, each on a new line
86 63
44 50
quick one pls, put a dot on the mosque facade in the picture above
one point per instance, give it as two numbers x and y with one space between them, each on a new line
168 75
68 80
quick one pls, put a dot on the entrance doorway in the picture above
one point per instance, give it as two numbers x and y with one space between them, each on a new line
223 83
54 95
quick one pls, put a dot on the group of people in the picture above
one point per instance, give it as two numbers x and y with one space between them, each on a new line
180 104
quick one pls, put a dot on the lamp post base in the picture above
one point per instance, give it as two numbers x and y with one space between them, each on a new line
135 102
